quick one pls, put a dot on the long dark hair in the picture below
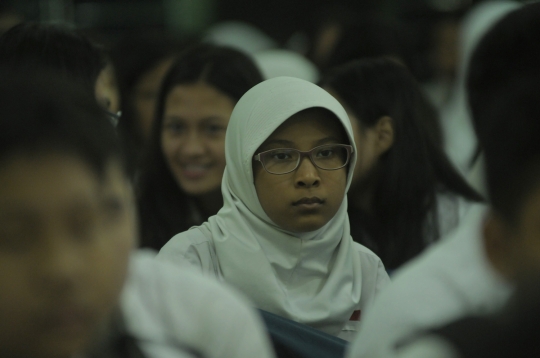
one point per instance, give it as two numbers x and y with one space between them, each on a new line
164 208
415 169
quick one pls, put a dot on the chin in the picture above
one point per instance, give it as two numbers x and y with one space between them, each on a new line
307 227
198 190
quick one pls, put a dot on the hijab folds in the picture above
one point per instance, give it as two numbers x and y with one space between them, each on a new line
314 277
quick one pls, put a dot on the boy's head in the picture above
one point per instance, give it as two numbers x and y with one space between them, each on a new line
63 50
510 49
512 154
66 219
502 82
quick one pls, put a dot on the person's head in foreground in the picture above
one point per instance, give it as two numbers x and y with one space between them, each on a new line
67 224
283 236
503 72
180 184
402 168
511 232
63 50
512 152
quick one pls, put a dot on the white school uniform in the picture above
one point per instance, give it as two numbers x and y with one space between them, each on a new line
320 278
450 280
198 252
179 314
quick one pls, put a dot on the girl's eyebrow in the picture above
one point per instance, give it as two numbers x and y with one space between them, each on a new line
290 144
205 119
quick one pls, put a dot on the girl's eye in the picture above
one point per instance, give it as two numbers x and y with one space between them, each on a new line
112 209
281 155
326 153
174 127
214 129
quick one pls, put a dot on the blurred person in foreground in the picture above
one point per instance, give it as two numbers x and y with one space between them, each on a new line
472 271
511 233
69 54
70 282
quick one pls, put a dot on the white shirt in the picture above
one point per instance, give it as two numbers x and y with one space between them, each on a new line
173 314
199 253
451 279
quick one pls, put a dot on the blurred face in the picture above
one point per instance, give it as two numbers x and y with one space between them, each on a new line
514 248
307 198
65 240
193 136
146 93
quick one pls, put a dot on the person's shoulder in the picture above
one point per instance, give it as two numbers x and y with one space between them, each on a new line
181 242
163 300
366 255
446 269
193 248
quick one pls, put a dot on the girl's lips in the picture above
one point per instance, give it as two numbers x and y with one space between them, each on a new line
309 203
194 171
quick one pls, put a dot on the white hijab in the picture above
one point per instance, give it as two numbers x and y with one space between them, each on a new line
312 278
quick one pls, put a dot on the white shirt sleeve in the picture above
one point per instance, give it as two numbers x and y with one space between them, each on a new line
451 279
171 311
428 347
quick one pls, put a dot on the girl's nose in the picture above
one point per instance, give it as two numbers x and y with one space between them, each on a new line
193 145
307 175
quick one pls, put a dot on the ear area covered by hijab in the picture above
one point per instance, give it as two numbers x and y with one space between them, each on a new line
313 278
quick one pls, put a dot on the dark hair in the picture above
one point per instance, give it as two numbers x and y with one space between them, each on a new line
135 54
510 49
415 169
511 144
40 112
504 67
54 48
163 206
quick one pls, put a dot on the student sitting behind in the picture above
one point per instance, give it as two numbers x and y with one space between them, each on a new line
405 194
70 283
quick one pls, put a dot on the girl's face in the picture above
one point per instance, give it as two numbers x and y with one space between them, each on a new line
193 136
307 198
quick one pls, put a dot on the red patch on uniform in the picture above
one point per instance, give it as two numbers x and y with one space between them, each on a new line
356 315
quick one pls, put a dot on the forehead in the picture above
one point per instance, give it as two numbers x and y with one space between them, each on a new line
44 181
199 96
317 121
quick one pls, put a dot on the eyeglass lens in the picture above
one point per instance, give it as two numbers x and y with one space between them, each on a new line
327 157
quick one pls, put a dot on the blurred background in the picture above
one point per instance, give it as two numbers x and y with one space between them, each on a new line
424 33
429 36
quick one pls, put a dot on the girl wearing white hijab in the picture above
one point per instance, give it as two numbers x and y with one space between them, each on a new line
282 236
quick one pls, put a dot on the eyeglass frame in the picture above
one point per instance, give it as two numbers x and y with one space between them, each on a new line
114 118
303 154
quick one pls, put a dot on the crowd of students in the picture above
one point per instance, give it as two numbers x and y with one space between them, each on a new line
189 207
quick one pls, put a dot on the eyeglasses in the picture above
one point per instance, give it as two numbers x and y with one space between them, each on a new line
113 117
286 160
